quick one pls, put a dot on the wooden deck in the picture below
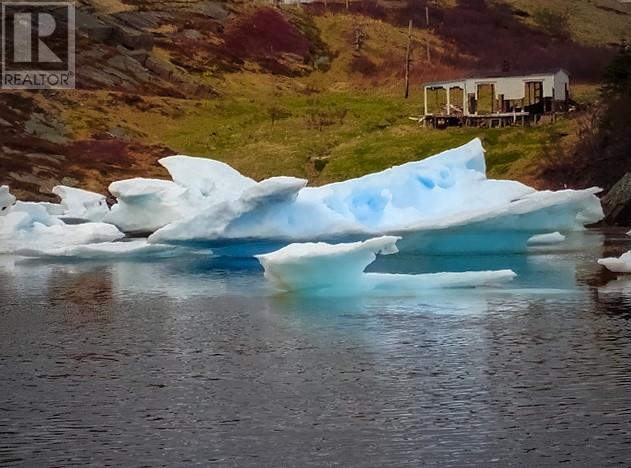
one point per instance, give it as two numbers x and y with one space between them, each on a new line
503 119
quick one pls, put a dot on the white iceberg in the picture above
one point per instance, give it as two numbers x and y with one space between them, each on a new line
29 224
26 234
338 269
620 264
145 205
101 250
441 204
81 204
547 239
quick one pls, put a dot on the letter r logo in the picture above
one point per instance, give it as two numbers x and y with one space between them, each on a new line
24 33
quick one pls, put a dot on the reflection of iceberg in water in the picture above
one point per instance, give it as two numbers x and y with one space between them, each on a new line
615 296
187 278
549 267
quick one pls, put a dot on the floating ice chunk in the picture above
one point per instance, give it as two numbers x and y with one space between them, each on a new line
270 195
6 199
145 205
617 265
81 204
24 234
546 239
321 265
30 225
101 250
335 269
210 178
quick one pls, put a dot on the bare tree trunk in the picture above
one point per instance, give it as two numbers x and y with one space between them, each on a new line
347 4
407 61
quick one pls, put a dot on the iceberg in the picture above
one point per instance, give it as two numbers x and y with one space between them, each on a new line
620 264
30 225
81 204
146 205
338 269
443 204
101 250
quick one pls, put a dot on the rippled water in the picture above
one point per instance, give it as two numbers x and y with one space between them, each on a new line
193 361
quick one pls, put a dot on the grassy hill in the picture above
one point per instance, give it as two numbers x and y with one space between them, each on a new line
284 91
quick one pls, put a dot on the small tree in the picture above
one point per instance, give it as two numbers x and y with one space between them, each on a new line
617 75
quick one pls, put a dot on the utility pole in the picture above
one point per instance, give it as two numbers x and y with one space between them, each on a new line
407 61
429 59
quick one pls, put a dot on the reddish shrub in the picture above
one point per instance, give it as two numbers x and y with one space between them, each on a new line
265 33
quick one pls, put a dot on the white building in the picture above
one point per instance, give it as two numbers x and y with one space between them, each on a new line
532 93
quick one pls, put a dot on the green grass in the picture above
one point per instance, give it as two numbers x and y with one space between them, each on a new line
590 22
361 133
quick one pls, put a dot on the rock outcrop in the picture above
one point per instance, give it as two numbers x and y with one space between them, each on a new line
617 202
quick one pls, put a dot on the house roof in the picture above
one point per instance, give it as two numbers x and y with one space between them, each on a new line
489 76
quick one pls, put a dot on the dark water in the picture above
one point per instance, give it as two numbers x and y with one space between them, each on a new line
193 361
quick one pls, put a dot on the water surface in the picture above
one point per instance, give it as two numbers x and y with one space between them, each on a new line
192 361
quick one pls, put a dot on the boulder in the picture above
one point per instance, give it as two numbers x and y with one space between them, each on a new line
93 27
617 203
133 39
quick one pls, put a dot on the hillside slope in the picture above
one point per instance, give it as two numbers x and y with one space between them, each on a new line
313 92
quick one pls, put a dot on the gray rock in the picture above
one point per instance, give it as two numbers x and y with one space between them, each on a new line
617 203
192 34
45 128
133 38
212 9
93 27
161 68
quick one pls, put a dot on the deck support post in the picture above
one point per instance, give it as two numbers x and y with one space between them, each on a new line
425 100
448 88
